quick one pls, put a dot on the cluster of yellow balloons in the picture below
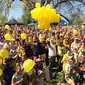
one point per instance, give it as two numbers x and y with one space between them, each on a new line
28 65
4 53
45 16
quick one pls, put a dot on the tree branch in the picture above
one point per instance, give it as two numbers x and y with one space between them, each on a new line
64 1
47 2
69 3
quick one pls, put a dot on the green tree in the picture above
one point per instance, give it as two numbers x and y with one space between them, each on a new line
77 18
3 18
20 19
26 17
5 5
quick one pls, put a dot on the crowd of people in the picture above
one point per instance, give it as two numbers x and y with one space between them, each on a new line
43 47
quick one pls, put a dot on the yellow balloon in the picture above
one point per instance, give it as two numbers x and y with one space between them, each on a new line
53 11
7 36
43 8
82 26
28 65
7 27
34 13
44 23
4 53
37 5
23 36
57 18
48 6
75 32
48 27
0 71
52 15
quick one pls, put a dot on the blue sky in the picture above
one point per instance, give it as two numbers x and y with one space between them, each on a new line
15 11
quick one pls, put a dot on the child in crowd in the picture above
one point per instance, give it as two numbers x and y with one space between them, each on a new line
17 78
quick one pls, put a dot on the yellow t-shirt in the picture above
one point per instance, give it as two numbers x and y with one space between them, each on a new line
80 52
69 80
61 50
65 57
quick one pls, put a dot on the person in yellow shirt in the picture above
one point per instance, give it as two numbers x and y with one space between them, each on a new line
66 56
67 72
81 50
61 51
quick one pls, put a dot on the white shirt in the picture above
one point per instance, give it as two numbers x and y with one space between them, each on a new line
51 50
74 46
